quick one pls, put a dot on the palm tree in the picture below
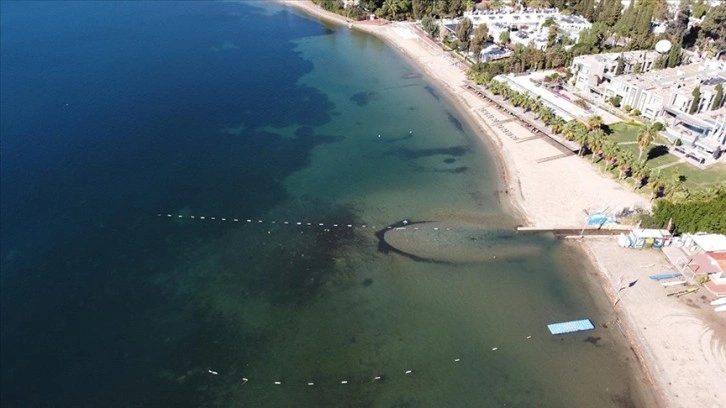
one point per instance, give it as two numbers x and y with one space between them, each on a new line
582 137
610 151
673 185
639 171
570 129
594 122
645 138
597 140
556 123
390 7
625 158
657 184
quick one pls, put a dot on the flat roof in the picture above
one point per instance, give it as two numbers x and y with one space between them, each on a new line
710 242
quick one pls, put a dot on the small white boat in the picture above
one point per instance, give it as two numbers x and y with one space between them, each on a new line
719 301
721 308
680 282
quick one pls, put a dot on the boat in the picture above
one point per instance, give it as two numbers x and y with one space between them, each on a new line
721 308
673 283
719 301
662 276
683 292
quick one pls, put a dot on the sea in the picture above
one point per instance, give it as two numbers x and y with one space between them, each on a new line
197 200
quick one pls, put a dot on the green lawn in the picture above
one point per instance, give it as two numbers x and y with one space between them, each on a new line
626 135
697 179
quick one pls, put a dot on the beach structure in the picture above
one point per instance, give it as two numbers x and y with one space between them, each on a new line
571 326
645 238
706 260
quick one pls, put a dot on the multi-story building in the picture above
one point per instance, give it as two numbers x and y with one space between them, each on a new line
652 92
526 26
593 72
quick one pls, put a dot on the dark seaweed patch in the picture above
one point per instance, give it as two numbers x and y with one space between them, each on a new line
456 122
418 153
362 98
449 160
432 91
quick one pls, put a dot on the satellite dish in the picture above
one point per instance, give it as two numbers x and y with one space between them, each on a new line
663 46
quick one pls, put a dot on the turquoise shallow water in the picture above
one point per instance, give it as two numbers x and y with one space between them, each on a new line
230 111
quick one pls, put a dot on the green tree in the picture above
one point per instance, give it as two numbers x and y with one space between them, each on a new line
700 8
504 37
597 139
675 55
696 100
678 25
620 68
481 35
594 122
390 8
625 160
552 35
419 8
645 138
691 214
610 152
657 184
430 27
714 26
639 172
463 33
718 98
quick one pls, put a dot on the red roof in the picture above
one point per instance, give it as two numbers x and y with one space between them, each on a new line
716 289
703 264
720 258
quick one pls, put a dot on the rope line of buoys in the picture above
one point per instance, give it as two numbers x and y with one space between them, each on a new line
344 381
326 226
258 221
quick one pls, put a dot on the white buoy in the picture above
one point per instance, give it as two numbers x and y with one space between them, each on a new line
168 215
244 380
529 337
409 371
377 378
436 228
191 216
214 218
236 220
344 382
277 383
224 219
180 216
321 224
335 225
457 360
213 372
350 226
495 348
249 220
259 221
311 383
201 218
379 135
286 223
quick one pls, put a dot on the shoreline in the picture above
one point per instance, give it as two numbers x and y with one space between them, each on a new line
681 349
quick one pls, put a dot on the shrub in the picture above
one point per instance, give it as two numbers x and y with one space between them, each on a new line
627 108
678 142
658 126
615 101
635 112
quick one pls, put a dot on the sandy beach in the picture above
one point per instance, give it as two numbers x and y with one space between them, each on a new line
680 342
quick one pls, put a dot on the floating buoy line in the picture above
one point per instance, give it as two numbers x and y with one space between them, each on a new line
400 226
373 379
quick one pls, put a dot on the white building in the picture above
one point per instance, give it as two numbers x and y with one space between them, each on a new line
525 26
593 72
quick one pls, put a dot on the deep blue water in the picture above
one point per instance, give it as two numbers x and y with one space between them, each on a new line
110 113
